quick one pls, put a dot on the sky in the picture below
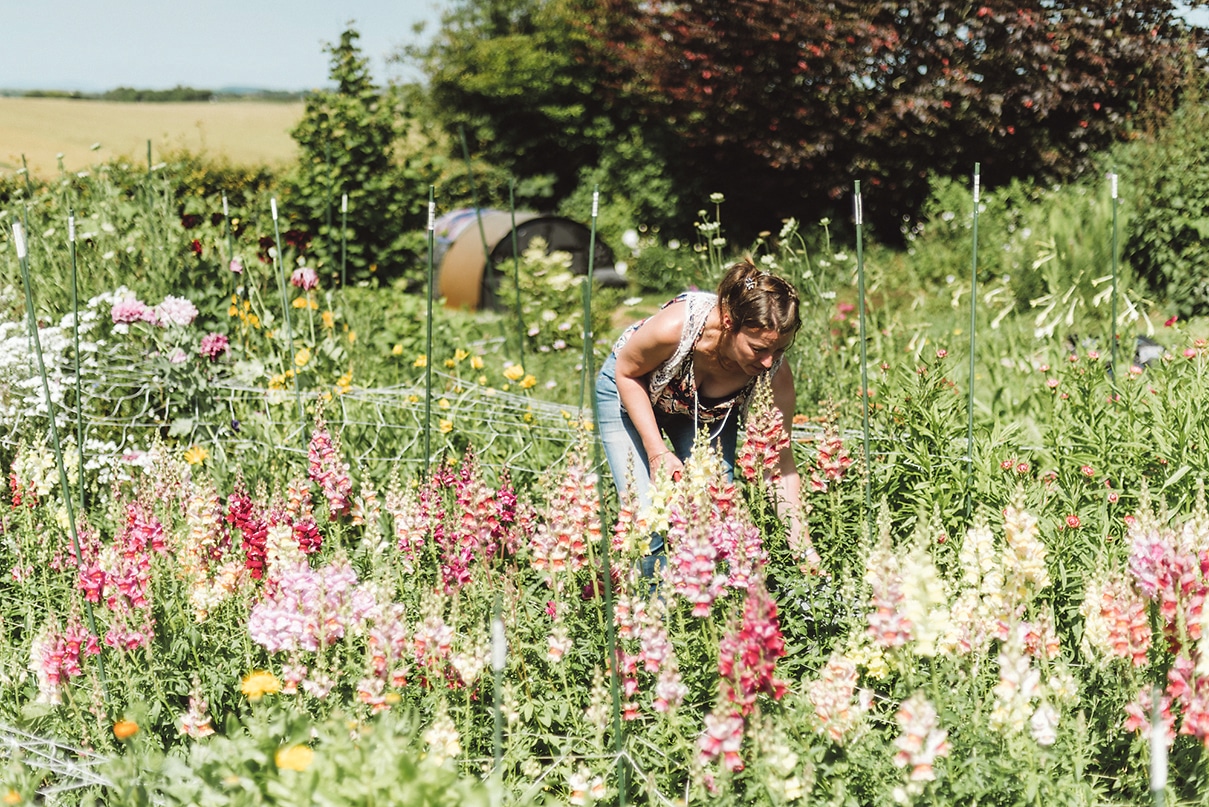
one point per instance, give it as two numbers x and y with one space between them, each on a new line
98 45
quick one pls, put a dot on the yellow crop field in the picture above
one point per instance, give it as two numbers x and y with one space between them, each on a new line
244 132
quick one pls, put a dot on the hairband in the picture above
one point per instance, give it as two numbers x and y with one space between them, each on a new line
750 283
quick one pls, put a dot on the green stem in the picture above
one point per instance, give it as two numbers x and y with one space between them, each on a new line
973 333
19 241
860 276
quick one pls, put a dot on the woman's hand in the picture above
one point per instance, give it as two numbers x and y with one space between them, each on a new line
668 461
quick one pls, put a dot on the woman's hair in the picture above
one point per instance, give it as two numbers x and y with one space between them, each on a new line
753 298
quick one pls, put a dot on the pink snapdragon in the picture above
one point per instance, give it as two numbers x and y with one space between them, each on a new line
176 311
196 721
571 521
432 641
56 656
831 460
765 437
247 516
306 609
131 309
1138 716
747 657
410 519
299 514
920 743
670 690
329 471
1116 620
305 278
888 623
723 736
832 698
693 564
214 346
387 644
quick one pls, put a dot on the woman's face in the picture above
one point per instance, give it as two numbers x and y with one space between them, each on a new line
756 349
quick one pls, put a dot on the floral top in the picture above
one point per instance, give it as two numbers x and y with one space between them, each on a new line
672 386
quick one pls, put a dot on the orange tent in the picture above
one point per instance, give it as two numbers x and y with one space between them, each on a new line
472 250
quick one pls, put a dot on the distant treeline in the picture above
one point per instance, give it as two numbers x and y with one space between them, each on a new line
177 94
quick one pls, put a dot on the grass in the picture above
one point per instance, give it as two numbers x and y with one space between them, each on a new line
243 132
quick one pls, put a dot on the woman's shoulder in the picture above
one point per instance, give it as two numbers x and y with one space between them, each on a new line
666 324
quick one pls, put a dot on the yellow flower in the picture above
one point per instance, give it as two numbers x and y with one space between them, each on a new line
460 355
302 357
446 426
254 320
514 372
196 454
476 362
259 683
421 361
444 403
13 797
352 337
329 321
450 364
233 311
482 380
294 757
299 302
413 398
527 382
125 729
397 350
392 697
528 417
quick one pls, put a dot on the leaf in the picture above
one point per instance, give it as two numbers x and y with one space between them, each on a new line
1175 477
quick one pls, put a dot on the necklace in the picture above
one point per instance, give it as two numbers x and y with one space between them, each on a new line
692 382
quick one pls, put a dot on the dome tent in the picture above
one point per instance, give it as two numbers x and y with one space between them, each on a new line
465 277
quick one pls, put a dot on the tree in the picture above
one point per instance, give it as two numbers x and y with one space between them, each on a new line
506 75
347 140
797 100
518 78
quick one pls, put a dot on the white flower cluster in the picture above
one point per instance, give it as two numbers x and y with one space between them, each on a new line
21 392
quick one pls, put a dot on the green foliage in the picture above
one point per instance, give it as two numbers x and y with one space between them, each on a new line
634 184
176 94
1056 432
552 300
274 754
792 102
508 75
1168 184
663 269
347 141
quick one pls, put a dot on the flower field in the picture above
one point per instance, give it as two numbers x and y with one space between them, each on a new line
269 539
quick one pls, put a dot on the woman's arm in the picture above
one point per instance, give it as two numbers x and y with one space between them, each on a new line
653 343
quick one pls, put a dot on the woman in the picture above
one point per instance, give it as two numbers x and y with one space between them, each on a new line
693 365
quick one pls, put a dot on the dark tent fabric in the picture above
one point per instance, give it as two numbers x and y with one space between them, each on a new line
466 278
